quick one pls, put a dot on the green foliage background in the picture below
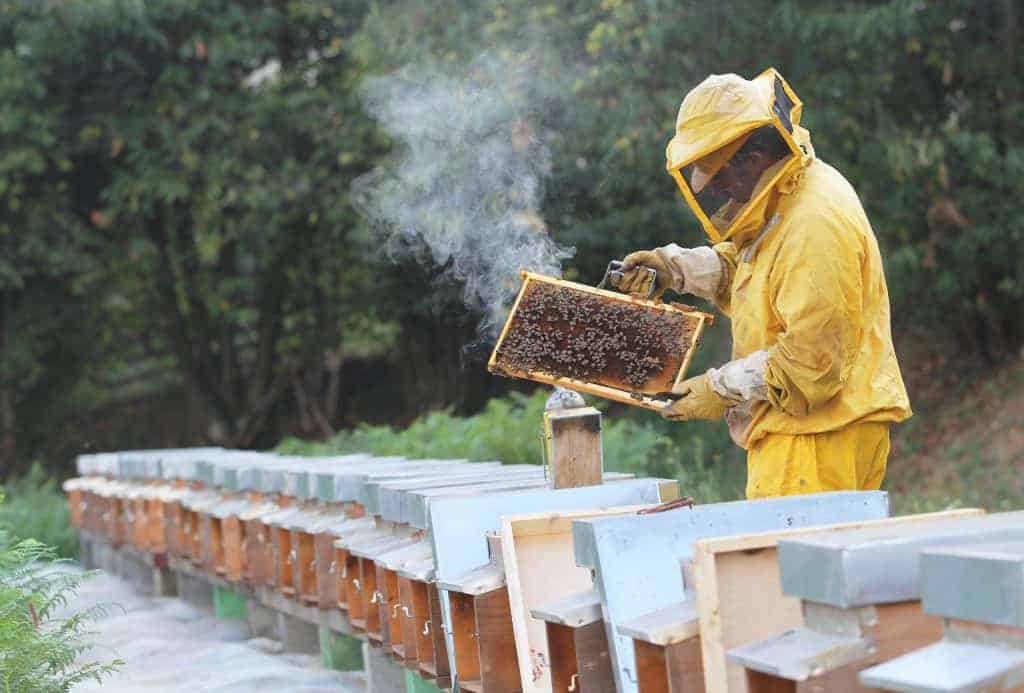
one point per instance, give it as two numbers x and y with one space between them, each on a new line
39 641
34 507
509 430
180 259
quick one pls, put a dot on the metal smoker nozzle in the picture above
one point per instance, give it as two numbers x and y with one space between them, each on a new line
562 398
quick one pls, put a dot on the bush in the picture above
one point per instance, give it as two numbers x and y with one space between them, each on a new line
508 429
38 648
37 508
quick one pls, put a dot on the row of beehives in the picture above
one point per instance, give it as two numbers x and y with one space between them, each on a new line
476 575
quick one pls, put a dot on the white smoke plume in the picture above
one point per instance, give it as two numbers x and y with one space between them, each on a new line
467 176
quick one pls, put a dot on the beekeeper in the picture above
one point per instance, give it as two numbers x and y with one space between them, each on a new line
814 383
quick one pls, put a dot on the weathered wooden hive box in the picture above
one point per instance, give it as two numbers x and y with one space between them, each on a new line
620 347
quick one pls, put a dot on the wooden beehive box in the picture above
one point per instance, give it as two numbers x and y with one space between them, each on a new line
76 504
578 655
156 517
667 648
137 523
256 551
116 521
174 528
326 570
209 535
233 531
482 633
304 568
284 557
620 347
401 630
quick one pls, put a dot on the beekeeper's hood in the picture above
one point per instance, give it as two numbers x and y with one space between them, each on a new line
715 120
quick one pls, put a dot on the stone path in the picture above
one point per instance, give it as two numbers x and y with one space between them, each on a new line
169 645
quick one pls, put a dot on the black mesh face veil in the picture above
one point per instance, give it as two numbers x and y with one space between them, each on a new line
783 106
727 130
721 184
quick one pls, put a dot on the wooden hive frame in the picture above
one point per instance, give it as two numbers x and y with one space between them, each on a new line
739 575
701 321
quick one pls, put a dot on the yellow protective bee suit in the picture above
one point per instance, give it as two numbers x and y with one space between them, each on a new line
801 278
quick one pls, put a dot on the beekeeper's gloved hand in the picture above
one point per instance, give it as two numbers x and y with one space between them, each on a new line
636 280
698 271
697 400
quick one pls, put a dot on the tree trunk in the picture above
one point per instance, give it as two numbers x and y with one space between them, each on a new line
8 442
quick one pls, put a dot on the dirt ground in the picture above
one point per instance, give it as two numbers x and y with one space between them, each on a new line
965 444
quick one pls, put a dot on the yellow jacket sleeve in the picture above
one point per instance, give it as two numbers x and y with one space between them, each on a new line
728 254
816 294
